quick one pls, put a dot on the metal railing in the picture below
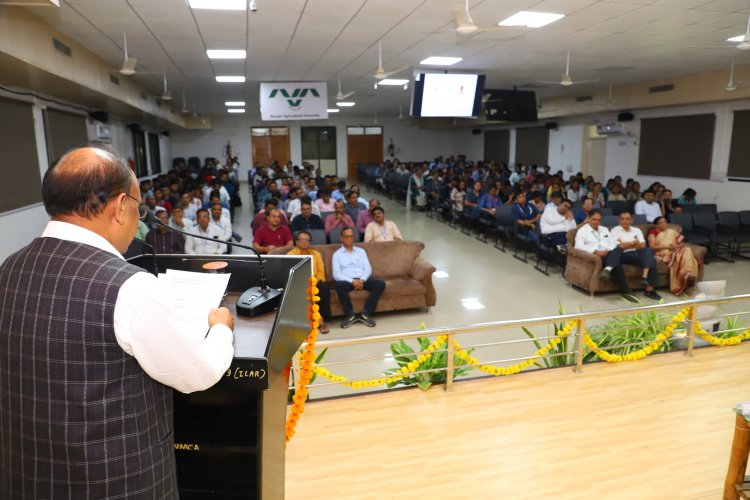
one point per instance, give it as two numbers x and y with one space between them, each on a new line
468 333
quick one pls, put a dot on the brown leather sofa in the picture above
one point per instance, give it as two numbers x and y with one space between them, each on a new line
583 268
407 276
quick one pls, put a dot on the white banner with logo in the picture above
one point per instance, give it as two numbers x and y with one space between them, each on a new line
294 101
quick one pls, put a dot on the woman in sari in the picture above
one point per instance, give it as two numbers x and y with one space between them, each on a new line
669 247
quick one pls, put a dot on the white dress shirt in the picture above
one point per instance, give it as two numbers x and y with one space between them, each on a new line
554 222
589 240
224 226
296 209
171 351
619 235
650 210
203 247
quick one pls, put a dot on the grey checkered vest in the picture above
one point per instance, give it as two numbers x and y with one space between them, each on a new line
79 418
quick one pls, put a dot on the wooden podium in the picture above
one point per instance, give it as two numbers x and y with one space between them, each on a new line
229 439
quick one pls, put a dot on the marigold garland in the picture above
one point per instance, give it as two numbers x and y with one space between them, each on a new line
714 340
307 360
513 369
411 367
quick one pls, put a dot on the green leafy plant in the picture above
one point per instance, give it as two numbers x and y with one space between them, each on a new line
734 326
631 329
559 355
293 388
404 354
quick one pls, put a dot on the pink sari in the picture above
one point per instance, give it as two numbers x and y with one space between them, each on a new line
683 266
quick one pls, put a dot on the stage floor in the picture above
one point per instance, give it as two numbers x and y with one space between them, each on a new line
652 429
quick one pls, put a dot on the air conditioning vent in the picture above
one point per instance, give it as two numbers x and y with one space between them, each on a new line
114 79
661 88
612 128
61 47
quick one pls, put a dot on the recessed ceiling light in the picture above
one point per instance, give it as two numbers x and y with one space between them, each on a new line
738 38
345 104
440 61
236 110
531 19
393 81
440 274
335 111
219 4
230 79
234 103
226 54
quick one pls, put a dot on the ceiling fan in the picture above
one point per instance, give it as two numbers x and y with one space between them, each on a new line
731 84
465 24
744 42
381 73
185 110
341 96
166 94
566 80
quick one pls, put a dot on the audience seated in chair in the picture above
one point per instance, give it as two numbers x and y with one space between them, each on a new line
353 206
324 202
557 220
307 220
178 221
581 215
162 239
380 229
204 228
525 216
220 222
273 234
668 204
364 217
260 219
338 219
298 207
648 206
352 271
302 241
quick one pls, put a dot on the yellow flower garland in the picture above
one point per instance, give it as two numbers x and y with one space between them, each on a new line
308 360
714 340
513 369
403 372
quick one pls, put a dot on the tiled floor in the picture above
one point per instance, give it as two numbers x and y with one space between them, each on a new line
506 287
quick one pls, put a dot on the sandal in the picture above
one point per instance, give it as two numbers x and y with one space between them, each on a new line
323 329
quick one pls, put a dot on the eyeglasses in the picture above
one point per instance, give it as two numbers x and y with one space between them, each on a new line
142 209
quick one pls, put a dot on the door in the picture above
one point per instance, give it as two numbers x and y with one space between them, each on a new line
594 154
319 148
269 144
363 145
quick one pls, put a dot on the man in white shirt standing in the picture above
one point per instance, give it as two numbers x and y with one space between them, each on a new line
204 228
556 221
648 207
634 251
595 238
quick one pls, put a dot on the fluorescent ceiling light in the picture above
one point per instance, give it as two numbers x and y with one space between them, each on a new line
230 79
393 81
236 110
345 104
441 61
219 4
226 54
234 103
440 274
335 111
738 38
531 19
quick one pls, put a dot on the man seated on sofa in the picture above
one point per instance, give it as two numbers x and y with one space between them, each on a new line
556 221
595 238
352 271
648 207
634 251
380 229
525 215
302 242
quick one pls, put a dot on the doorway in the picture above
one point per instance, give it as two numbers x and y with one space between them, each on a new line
594 154
363 145
319 148
269 144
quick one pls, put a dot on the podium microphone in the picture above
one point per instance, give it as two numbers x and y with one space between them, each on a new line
253 301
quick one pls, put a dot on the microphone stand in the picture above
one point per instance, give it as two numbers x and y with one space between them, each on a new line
253 301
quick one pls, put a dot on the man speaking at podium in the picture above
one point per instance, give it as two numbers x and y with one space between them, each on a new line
90 349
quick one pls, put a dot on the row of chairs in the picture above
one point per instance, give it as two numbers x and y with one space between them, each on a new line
719 231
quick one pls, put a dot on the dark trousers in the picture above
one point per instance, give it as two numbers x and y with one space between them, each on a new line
375 287
643 258
560 238
614 260
325 300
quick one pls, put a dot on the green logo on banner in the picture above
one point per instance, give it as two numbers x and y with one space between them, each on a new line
294 100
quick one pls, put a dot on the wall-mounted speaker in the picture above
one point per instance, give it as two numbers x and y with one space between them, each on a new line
550 126
625 116
165 133
100 116
476 131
